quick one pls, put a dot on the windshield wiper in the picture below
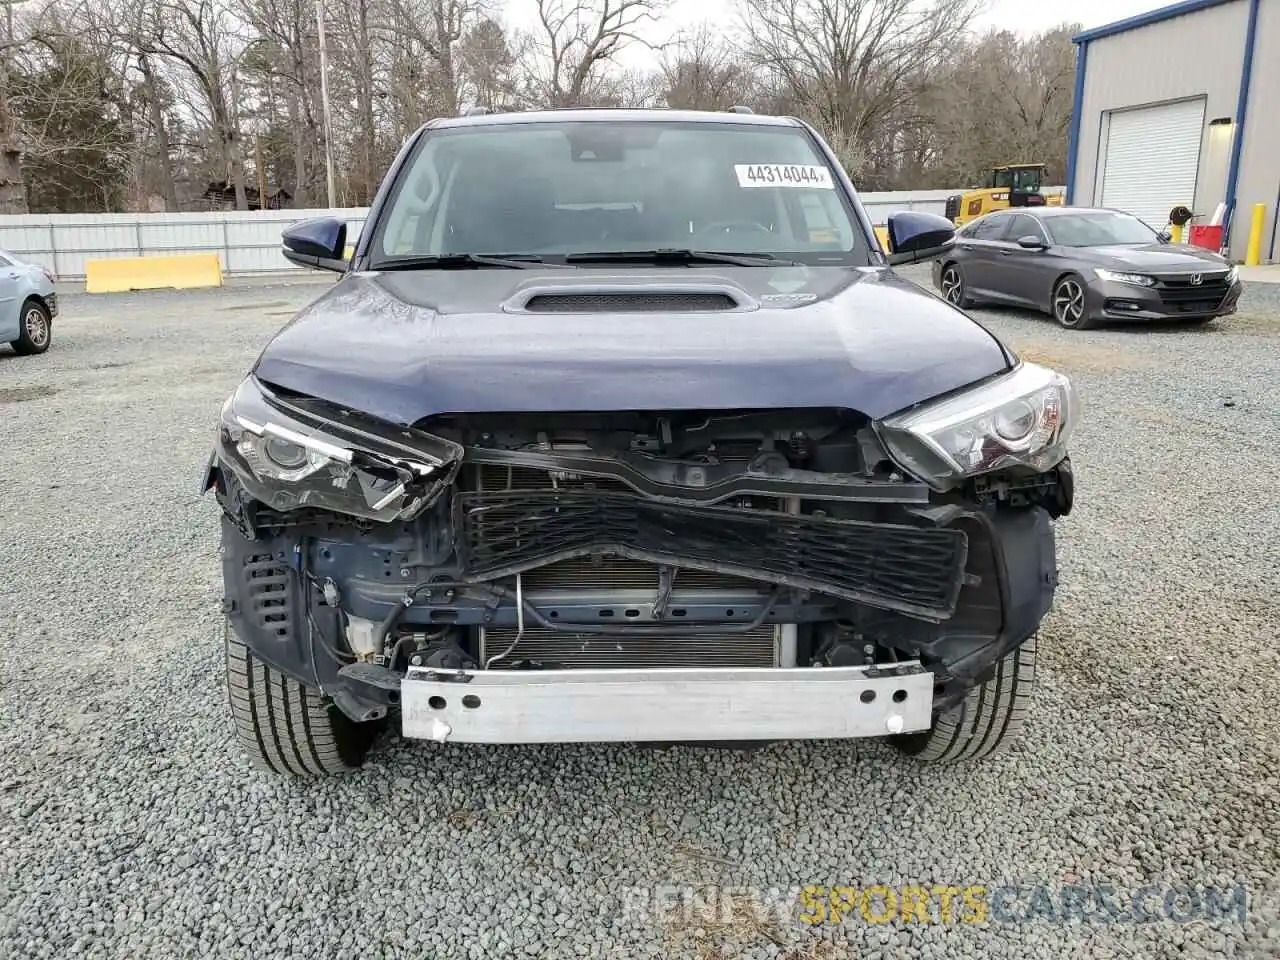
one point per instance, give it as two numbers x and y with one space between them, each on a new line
464 261
676 256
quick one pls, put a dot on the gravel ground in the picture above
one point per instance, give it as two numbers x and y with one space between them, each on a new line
131 827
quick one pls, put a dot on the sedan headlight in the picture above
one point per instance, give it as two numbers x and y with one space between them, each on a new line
1232 275
290 454
1022 419
1135 278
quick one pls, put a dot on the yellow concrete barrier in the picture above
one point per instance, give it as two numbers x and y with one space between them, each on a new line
882 234
183 272
1253 254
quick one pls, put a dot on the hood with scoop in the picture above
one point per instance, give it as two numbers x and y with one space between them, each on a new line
407 346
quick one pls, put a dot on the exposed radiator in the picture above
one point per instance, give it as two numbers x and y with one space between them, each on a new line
570 651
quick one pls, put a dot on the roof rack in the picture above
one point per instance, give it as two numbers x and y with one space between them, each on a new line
741 109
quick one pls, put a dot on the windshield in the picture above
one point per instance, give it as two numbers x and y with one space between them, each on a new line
555 188
1024 180
1098 229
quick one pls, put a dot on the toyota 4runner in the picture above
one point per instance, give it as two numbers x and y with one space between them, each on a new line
619 426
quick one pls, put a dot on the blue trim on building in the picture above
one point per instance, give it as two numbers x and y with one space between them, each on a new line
1146 19
1073 134
1242 108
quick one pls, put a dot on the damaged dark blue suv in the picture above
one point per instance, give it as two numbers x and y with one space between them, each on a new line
619 426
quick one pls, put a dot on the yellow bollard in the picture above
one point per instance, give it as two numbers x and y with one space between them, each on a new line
1253 255
1175 233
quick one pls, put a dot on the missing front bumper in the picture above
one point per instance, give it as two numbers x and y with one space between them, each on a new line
593 706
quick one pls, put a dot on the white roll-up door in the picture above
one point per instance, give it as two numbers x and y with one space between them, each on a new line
1151 160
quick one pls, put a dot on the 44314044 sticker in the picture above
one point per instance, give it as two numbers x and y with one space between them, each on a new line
783 175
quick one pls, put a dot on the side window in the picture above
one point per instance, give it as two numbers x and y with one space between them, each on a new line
5 261
1024 226
990 228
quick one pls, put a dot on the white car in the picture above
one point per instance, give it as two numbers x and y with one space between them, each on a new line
28 305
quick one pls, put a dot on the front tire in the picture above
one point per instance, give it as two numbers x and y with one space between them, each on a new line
1070 306
286 727
953 288
35 329
987 721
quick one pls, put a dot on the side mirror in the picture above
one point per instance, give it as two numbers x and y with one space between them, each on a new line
320 244
1031 243
915 236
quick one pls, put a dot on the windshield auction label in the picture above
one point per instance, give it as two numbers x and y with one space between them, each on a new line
783 175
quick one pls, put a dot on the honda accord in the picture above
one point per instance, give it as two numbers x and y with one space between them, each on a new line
1084 267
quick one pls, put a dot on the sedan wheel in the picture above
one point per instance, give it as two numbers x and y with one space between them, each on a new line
36 329
952 284
1069 306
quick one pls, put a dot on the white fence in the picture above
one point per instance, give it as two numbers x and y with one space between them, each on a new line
248 242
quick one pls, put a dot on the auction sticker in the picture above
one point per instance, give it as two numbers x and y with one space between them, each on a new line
783 175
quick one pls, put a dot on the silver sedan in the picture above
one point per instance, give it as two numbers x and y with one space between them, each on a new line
28 305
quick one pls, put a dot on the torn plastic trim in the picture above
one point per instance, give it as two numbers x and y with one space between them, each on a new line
727 567
681 482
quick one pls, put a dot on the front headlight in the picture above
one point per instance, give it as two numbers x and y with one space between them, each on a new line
1134 278
1232 274
288 455
1022 419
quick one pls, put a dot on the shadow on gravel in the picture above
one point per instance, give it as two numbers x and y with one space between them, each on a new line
21 394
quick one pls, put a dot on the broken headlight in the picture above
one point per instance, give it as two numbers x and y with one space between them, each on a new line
289 455
1022 419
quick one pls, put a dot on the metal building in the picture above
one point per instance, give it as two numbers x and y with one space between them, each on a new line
1181 107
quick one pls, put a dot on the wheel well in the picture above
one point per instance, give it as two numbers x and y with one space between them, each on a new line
1054 287
36 299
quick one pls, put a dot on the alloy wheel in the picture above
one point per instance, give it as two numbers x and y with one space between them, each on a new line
1068 303
37 327
952 286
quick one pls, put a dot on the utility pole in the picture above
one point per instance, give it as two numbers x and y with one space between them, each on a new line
262 172
324 99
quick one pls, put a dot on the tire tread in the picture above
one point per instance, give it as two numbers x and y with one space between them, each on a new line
990 717
283 726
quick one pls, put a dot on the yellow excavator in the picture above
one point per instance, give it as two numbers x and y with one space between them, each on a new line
1011 185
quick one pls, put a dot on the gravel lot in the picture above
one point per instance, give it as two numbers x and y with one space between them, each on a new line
131 827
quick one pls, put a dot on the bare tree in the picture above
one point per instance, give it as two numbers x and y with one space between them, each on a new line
578 39
1002 99
117 101
487 63
159 126
851 65
13 192
288 28
431 30
703 72
199 36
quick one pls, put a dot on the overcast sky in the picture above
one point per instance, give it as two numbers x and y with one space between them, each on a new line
1023 16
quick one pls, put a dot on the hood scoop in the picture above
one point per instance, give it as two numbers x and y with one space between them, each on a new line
649 297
